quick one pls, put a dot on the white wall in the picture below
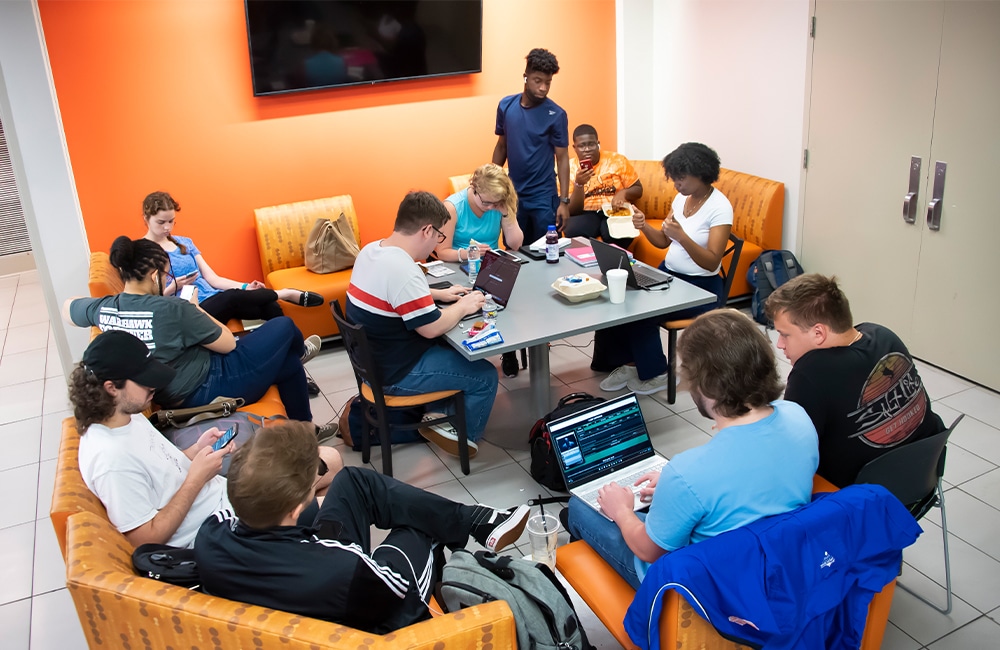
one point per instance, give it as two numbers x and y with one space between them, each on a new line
42 171
729 73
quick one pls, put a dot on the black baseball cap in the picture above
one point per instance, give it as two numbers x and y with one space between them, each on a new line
116 355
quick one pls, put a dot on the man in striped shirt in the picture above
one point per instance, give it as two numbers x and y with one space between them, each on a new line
390 297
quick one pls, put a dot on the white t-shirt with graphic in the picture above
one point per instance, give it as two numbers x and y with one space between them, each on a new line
135 472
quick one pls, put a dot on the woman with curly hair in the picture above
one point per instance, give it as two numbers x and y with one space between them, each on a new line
208 359
222 298
695 234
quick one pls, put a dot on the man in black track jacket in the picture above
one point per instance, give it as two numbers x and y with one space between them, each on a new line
284 551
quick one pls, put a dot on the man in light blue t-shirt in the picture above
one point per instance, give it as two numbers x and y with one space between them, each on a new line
760 462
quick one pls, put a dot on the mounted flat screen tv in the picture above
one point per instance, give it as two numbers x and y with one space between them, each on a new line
298 45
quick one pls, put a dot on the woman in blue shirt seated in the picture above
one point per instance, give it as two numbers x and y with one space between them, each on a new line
480 213
220 297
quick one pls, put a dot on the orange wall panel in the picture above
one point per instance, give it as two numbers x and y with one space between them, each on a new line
156 94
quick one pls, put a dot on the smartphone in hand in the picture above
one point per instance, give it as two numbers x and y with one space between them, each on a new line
187 291
226 438
586 164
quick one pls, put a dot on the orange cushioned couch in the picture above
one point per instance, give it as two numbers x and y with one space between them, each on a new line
119 609
609 596
282 231
758 207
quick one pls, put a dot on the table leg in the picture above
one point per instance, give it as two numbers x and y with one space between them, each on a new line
538 374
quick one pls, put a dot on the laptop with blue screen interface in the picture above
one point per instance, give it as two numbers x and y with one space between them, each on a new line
607 443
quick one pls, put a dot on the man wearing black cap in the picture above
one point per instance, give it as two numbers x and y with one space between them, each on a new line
154 492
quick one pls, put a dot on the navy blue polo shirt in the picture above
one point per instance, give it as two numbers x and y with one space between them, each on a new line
532 137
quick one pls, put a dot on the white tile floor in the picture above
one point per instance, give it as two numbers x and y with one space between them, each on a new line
36 610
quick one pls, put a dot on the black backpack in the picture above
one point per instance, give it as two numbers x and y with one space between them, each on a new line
167 564
543 611
544 466
771 270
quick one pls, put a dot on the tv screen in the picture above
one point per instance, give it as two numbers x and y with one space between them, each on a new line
308 44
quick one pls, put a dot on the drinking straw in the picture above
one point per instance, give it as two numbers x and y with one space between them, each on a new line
541 507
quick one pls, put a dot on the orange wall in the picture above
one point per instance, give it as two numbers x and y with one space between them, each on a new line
155 94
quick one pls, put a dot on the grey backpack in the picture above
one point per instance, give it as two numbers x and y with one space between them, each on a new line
542 609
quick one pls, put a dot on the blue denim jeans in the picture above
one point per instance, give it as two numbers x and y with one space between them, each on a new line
605 537
443 368
271 354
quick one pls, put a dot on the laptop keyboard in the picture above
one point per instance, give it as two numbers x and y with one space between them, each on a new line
644 279
625 481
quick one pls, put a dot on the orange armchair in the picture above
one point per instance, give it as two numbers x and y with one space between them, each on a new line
609 596
282 231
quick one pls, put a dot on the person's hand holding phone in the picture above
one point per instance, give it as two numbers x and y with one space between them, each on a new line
226 438
584 174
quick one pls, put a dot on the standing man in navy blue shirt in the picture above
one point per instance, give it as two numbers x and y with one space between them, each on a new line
531 129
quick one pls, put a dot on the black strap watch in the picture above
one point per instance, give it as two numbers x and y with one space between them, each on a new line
564 200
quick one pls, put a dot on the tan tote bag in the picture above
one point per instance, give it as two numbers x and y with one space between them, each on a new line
331 245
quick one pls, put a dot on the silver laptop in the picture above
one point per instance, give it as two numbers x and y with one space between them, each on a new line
607 443
640 274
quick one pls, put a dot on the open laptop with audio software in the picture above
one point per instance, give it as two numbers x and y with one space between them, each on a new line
607 443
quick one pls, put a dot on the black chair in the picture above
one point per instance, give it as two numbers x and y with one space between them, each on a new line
912 472
376 404
673 326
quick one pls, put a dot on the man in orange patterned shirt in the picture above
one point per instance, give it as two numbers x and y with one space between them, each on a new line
597 179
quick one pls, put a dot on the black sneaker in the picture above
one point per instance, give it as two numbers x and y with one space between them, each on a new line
312 387
496 529
508 363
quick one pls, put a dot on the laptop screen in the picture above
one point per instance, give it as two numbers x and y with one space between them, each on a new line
496 276
600 440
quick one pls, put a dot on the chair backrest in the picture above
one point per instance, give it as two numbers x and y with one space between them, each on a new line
358 351
728 272
911 471
459 183
282 230
70 493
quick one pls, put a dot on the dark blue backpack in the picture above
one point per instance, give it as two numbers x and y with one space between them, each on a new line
771 270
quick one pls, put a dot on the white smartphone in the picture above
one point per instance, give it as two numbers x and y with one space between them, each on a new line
187 291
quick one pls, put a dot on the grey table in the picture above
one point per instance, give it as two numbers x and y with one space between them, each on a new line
537 315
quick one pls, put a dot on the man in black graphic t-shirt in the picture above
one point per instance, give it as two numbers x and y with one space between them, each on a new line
858 383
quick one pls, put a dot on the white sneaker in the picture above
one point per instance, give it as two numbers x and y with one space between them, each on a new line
313 344
619 378
445 436
650 386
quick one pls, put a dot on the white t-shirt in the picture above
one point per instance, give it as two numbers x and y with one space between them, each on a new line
716 211
135 472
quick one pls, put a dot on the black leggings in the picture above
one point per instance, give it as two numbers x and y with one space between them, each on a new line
255 304
593 224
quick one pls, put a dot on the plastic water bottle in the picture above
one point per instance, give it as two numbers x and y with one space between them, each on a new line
474 263
490 310
552 245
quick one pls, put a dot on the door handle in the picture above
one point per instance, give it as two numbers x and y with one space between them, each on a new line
937 195
910 200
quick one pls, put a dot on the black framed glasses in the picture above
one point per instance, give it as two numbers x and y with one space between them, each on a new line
486 204
441 235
